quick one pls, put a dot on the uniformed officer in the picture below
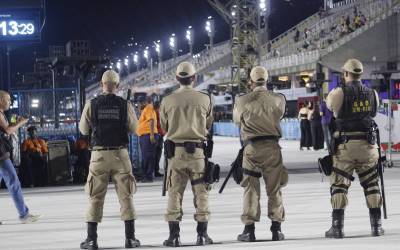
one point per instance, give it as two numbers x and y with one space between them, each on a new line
354 106
109 119
186 116
258 114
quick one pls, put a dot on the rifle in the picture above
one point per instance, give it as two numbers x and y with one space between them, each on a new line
234 166
380 169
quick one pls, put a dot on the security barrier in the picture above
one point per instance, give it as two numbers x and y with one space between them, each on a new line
290 129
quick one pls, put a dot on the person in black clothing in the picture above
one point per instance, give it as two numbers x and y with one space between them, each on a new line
305 129
316 128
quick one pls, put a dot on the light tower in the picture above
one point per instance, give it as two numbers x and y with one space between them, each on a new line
173 45
210 28
190 38
249 30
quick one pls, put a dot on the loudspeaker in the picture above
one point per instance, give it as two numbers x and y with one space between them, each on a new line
59 171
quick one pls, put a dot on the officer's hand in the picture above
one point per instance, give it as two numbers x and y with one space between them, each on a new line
152 139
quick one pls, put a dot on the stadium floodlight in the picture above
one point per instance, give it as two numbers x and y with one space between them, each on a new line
146 53
210 28
190 38
126 62
119 64
263 5
173 45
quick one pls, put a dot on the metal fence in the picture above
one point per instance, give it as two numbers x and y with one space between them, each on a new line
55 113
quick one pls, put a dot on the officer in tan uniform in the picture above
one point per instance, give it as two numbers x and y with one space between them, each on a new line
109 119
186 116
258 115
354 106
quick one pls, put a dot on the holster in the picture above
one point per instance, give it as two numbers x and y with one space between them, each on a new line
208 150
169 147
211 173
325 165
372 137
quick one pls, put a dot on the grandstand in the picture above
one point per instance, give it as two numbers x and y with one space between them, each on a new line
301 61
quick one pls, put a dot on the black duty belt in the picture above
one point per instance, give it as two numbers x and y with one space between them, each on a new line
265 138
355 137
108 148
197 144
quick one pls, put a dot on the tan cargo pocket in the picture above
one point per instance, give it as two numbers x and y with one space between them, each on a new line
133 184
89 185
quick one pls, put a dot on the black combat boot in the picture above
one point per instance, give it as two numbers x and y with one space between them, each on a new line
336 231
248 234
130 240
277 234
202 236
173 239
376 222
91 240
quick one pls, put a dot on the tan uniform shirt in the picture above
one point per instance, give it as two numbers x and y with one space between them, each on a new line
259 113
186 115
334 101
84 123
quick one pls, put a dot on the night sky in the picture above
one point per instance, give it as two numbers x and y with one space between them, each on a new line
111 24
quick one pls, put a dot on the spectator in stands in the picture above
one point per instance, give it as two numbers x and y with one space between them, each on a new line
363 19
305 129
326 116
316 127
7 170
297 36
148 136
82 151
160 141
35 153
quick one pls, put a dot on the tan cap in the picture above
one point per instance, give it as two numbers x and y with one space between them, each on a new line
110 76
259 74
185 69
353 66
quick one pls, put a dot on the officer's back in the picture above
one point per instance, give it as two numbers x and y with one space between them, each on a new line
187 115
257 109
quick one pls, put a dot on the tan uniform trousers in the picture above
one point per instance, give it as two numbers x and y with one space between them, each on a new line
184 167
362 157
263 157
117 165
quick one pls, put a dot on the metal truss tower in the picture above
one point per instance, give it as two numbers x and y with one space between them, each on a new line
249 30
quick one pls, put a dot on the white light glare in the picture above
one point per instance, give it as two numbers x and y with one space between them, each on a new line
146 53
135 58
172 41
263 5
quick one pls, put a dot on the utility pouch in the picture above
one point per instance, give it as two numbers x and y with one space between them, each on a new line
169 147
190 147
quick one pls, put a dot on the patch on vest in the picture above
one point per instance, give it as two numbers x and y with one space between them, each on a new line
108 114
361 106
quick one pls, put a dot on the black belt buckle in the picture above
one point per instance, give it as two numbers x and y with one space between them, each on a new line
190 147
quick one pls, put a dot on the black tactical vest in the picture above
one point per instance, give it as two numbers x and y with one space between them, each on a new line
358 108
109 116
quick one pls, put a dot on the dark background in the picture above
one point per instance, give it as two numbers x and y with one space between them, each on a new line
112 24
